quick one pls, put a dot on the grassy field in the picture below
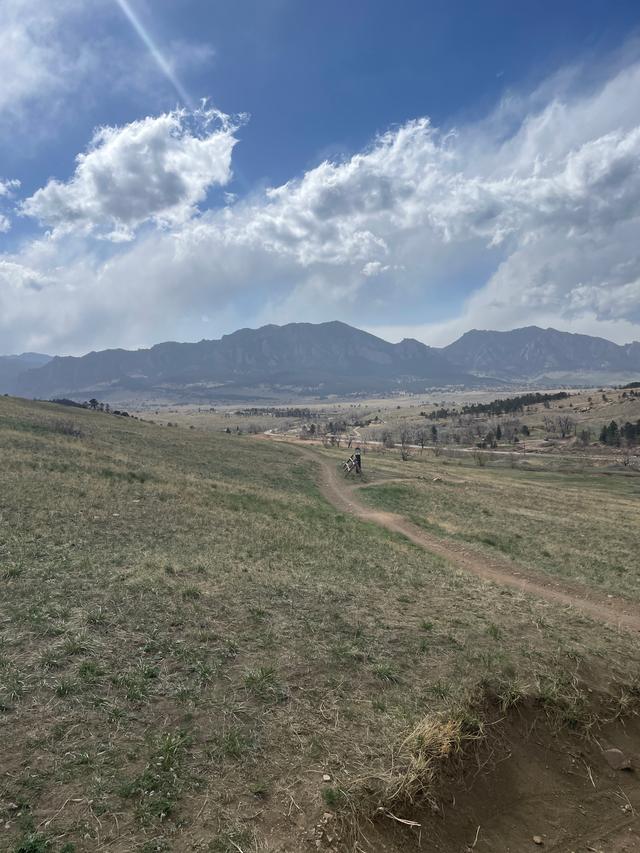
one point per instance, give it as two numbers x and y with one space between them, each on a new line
580 524
197 652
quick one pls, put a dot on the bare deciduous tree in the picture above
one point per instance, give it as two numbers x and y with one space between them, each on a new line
386 437
421 438
406 439
566 425
549 424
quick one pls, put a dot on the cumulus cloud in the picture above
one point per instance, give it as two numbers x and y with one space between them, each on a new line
413 179
154 169
529 216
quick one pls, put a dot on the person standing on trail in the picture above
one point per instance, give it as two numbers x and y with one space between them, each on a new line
357 458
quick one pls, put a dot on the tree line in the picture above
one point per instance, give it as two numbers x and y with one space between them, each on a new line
509 405
615 434
93 404
275 413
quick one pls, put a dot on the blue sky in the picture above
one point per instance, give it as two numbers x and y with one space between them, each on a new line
415 168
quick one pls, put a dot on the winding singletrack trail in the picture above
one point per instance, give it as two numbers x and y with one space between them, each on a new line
614 611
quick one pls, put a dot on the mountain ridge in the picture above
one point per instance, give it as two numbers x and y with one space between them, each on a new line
321 359
298 357
12 366
534 353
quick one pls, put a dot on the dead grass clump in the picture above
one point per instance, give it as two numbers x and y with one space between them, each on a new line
417 766
423 754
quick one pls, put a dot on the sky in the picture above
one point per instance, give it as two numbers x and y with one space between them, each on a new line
179 169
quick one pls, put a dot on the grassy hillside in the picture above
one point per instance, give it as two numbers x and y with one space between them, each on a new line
577 523
198 653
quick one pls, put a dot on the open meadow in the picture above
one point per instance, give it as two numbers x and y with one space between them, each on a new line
574 521
199 652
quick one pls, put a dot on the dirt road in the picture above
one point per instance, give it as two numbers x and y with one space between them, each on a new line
614 611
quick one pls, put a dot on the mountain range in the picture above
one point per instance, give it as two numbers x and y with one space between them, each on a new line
299 358
533 354
12 366
320 359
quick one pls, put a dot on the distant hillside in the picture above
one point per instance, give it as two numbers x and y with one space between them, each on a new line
12 366
298 358
532 353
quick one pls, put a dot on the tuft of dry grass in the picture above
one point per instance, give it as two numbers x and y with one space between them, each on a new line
421 759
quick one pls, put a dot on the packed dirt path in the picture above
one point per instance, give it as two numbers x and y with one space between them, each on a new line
614 611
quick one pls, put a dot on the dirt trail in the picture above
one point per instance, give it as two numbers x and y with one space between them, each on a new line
613 611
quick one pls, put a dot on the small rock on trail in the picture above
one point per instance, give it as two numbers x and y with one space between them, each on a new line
617 760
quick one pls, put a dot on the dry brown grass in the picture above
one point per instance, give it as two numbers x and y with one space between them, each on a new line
571 521
419 762
191 638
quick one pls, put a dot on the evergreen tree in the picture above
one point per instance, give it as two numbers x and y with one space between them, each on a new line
631 433
613 434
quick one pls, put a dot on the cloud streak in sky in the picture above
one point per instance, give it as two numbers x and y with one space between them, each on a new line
59 59
158 57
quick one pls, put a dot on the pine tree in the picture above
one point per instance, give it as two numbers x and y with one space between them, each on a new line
613 434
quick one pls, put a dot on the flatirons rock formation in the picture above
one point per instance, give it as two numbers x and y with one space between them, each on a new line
299 358
322 359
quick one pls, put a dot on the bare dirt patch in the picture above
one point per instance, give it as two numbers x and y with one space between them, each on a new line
528 782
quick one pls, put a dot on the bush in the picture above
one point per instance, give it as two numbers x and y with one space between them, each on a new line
68 428
387 440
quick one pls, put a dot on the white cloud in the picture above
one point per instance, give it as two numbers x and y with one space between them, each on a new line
413 182
7 188
374 268
7 191
17 277
154 169
37 59
61 57
530 216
